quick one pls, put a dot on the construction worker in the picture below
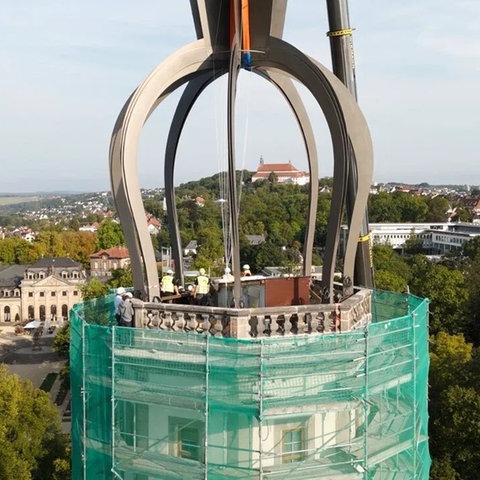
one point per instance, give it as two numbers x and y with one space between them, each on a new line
227 276
246 271
168 286
202 288
117 301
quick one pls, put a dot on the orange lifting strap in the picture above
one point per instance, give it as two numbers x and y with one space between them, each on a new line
245 21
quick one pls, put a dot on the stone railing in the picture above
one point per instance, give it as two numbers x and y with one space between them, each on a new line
256 322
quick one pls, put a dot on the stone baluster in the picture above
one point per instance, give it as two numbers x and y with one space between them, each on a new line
298 323
202 323
147 319
190 322
216 328
254 322
226 326
319 322
180 322
154 319
267 326
289 324
167 323
278 327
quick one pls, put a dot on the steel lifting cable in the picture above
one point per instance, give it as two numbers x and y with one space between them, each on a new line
222 168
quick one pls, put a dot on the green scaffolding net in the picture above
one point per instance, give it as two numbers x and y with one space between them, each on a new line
153 404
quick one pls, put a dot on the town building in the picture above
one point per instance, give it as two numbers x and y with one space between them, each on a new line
283 172
153 224
103 262
436 238
46 290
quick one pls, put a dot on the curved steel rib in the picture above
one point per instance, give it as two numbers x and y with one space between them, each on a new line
343 115
196 62
173 72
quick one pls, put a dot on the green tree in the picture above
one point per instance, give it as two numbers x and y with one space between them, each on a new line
7 251
437 209
153 206
61 342
51 243
450 378
413 244
471 249
382 208
93 289
472 282
448 294
442 469
387 259
411 208
29 425
387 280
121 277
109 235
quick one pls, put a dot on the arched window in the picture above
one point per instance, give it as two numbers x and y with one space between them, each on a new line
6 314
65 312
53 312
31 312
42 313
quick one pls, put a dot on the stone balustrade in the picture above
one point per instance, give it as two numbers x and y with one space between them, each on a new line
256 322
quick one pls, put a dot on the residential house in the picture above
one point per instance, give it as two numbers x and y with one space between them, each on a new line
153 224
103 262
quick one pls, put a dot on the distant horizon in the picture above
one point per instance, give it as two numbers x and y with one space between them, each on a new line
80 192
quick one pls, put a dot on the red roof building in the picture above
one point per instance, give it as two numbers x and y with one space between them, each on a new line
284 172
103 262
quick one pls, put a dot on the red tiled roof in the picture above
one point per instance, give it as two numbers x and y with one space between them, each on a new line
276 167
114 252
151 220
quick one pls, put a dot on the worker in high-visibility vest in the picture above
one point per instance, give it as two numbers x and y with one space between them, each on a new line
168 286
201 290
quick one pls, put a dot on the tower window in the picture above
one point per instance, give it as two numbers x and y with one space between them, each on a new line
186 438
293 445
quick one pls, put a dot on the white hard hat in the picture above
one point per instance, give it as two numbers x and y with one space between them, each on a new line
170 271
120 290
246 267
227 270
202 271
129 295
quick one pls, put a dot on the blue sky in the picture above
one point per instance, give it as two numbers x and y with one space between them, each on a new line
68 66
